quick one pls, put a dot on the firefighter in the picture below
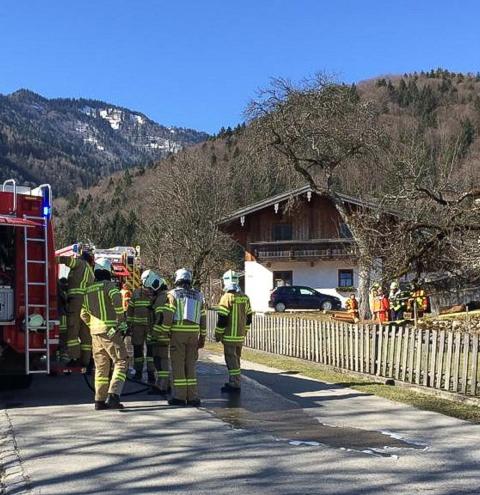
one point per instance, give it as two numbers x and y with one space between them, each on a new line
351 305
160 341
79 342
103 312
126 296
418 299
233 323
184 320
381 307
396 302
372 297
139 319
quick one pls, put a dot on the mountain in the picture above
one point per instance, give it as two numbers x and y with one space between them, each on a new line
440 106
74 142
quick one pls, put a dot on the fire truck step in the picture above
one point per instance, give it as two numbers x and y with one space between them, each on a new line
37 239
38 372
37 350
38 262
37 305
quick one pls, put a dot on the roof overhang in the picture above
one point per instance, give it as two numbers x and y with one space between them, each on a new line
273 200
8 221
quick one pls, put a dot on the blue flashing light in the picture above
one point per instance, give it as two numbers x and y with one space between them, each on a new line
46 211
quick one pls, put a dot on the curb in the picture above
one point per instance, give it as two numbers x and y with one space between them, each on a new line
12 475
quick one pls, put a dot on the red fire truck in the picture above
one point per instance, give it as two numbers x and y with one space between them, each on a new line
28 283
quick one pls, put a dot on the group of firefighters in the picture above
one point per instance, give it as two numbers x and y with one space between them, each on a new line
392 306
167 327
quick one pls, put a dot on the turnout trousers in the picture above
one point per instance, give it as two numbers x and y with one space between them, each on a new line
162 365
233 353
139 339
78 340
184 355
105 352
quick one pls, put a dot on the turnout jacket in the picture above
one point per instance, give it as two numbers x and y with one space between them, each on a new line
234 317
102 307
139 312
158 308
80 275
184 311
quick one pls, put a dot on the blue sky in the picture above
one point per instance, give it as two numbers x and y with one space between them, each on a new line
198 63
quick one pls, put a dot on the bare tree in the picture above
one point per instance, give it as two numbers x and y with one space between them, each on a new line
320 128
184 201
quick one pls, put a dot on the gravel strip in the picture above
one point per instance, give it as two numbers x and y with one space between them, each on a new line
12 476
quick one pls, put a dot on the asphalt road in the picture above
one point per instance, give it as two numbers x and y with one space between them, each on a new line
286 434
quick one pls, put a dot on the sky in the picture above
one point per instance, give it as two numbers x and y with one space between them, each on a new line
197 63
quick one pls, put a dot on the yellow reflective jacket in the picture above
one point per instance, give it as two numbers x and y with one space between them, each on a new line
80 275
234 317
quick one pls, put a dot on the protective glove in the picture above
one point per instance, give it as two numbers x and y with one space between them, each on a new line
201 342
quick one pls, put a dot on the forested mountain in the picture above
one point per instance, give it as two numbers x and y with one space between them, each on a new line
73 142
438 112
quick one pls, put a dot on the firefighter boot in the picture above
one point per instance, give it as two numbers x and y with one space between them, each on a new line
100 405
228 389
176 402
113 402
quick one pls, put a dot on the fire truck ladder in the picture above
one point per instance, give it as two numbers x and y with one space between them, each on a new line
44 282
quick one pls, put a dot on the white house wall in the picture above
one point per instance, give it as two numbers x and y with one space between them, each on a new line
323 276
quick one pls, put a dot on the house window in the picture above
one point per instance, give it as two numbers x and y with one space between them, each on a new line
280 279
282 232
345 278
345 231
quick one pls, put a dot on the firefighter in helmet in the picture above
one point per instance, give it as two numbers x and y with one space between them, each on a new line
80 276
139 319
184 321
102 311
233 323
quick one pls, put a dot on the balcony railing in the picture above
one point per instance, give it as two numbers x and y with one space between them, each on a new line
302 254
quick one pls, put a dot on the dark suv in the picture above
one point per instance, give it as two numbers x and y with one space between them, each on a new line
299 297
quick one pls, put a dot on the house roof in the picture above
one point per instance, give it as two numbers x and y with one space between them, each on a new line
260 205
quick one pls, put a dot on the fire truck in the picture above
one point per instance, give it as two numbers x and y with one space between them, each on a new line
28 283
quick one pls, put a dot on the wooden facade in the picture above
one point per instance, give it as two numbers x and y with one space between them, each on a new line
307 227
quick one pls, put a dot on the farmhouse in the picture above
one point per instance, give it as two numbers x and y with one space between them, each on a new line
294 238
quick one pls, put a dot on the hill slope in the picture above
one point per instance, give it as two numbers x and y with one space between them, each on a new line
71 143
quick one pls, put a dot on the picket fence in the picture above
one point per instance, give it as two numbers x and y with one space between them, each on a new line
439 359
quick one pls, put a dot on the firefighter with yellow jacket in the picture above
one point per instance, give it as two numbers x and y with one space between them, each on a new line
160 341
184 320
139 320
103 312
233 323
80 276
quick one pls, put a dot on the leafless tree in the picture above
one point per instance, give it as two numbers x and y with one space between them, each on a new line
184 202
320 128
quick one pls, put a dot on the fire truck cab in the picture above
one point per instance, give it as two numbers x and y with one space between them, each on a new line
28 283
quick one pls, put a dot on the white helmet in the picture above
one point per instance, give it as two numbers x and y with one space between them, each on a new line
230 278
152 280
103 264
183 275
394 285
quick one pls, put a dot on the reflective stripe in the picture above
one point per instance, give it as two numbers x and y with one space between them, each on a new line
163 374
235 372
180 383
73 343
85 347
222 310
219 330
138 360
119 376
229 338
191 381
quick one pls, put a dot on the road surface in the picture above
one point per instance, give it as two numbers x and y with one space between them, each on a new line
286 434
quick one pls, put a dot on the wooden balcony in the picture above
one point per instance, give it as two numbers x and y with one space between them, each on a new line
304 251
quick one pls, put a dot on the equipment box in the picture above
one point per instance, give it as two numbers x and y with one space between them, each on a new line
6 304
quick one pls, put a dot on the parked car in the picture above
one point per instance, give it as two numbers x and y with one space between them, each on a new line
300 297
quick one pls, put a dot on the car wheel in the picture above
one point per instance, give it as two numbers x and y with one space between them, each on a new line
280 307
326 305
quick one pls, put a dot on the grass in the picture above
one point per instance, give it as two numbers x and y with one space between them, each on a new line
419 400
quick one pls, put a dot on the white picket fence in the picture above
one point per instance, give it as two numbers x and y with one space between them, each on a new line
440 359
